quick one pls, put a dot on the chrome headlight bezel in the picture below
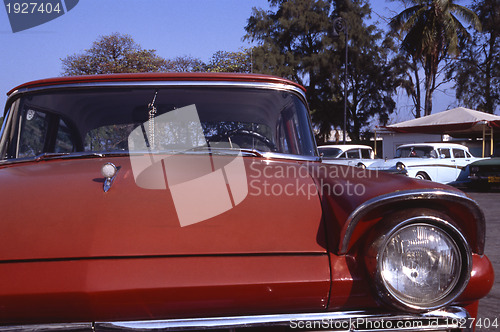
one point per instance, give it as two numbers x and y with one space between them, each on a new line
380 241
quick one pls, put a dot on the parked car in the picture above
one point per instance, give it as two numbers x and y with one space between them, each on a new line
351 155
485 173
439 162
192 201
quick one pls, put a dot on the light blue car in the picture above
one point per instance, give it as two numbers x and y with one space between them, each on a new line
439 162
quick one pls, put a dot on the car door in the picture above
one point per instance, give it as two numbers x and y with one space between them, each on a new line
447 170
353 156
461 159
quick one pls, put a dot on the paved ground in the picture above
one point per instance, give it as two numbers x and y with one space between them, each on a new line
489 308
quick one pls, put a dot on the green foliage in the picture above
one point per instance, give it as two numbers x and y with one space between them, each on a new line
118 53
186 64
477 72
232 62
295 40
115 53
430 31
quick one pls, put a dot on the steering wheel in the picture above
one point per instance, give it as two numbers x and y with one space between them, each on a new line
244 132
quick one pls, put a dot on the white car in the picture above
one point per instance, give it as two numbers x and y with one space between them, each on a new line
439 162
351 155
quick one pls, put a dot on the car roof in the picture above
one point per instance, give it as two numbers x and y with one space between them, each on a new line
437 145
138 77
344 147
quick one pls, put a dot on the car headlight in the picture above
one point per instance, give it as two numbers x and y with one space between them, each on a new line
400 166
422 264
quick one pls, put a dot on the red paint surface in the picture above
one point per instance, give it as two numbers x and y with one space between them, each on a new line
481 280
66 214
140 77
155 288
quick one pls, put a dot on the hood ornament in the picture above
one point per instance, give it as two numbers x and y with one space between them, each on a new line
109 171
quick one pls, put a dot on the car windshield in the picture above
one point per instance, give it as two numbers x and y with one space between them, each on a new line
129 119
416 152
330 152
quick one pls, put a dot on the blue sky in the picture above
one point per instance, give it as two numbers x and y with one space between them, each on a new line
197 28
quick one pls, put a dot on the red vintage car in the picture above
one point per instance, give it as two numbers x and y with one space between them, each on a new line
199 201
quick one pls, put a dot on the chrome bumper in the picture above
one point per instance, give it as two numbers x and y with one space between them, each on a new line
447 319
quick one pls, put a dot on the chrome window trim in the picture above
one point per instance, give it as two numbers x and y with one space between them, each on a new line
76 85
277 155
448 318
83 155
409 195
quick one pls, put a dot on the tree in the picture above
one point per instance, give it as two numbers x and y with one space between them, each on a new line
234 62
431 31
186 64
477 72
296 41
115 53
410 80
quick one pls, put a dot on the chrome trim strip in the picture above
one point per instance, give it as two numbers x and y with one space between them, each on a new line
276 155
49 327
445 318
222 83
83 155
408 195
436 165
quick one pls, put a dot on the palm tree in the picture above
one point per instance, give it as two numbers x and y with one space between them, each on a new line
431 31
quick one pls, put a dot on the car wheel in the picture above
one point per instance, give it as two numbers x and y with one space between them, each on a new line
422 176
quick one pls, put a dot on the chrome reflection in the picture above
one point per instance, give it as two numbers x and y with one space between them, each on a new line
413 195
450 318
109 171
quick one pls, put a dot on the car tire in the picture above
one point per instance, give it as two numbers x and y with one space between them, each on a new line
422 176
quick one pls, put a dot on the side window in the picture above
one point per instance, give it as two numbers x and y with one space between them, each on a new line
445 153
4 121
33 126
353 154
458 153
366 153
64 140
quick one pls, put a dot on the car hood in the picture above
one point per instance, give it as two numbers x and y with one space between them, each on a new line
487 162
57 209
